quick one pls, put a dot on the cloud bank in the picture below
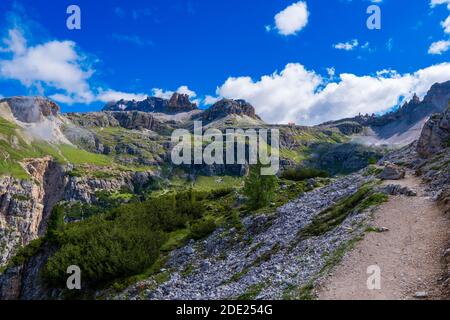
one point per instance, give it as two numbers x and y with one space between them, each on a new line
299 95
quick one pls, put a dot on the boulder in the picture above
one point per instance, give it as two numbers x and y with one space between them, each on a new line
392 172
396 190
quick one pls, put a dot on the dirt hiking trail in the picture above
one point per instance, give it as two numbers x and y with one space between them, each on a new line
409 254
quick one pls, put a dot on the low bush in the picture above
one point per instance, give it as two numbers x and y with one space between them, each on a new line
220 193
301 173
26 252
202 229
259 189
333 216
121 242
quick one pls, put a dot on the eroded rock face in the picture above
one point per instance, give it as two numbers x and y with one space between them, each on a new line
26 204
84 189
124 119
438 95
10 283
24 282
32 109
137 120
180 103
435 135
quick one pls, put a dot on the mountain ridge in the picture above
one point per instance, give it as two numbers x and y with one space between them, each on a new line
401 126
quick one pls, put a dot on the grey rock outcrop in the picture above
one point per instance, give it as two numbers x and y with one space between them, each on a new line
125 119
84 189
435 135
226 107
25 205
180 103
397 190
392 172
31 109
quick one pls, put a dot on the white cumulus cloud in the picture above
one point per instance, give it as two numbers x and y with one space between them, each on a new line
347 46
55 64
301 95
434 3
439 47
167 94
292 19
210 100
112 95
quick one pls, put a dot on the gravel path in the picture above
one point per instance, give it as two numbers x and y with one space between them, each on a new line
409 254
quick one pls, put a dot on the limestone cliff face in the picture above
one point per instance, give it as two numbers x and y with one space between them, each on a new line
125 119
25 205
32 109
84 189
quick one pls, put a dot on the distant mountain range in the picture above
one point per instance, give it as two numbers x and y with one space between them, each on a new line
176 104
401 126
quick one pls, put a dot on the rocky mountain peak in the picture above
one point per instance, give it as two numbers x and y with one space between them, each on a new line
176 104
180 103
31 109
227 107
150 104
415 99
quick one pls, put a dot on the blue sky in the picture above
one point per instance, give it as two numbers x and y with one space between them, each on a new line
213 49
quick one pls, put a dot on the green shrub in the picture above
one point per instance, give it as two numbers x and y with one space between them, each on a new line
220 193
301 173
122 242
259 189
26 252
202 229
372 160
187 204
330 218
105 251
55 226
